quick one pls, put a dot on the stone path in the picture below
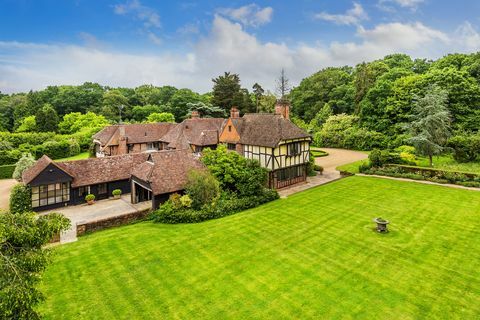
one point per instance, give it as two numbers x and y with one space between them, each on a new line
335 158
448 185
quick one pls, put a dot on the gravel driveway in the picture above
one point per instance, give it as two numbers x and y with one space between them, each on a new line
6 186
338 157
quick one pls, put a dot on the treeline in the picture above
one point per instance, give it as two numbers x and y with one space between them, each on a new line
370 105
43 110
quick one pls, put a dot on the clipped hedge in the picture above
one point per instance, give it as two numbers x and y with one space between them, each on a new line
419 173
6 171
224 207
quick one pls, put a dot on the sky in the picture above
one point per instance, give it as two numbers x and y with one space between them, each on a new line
128 43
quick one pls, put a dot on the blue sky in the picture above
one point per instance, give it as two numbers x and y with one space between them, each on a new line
186 43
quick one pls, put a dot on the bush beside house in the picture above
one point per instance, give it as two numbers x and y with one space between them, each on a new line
20 199
231 184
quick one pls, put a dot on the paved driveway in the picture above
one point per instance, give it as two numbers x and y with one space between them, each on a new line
6 186
338 157
102 209
335 158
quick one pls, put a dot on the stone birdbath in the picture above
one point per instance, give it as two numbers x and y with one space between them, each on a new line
381 225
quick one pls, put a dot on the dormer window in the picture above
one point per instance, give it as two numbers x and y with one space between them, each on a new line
229 128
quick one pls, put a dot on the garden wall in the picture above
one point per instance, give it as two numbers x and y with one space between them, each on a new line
89 227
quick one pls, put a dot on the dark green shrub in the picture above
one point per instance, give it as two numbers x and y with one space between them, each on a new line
10 156
21 199
465 147
6 171
202 187
226 205
375 158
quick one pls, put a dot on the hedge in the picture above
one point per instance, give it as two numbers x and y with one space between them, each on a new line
224 207
6 171
420 173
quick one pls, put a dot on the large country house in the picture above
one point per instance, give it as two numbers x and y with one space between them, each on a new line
151 161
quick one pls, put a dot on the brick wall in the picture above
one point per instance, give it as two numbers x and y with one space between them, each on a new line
110 222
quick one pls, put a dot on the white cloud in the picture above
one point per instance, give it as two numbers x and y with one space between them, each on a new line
249 15
411 4
227 47
148 16
353 16
468 37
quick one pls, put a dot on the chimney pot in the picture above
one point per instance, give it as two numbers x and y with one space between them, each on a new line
195 114
234 112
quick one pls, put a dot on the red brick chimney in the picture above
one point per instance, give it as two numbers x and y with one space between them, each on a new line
282 107
122 141
234 113
195 114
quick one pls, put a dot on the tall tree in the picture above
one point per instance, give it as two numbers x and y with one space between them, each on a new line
258 92
283 85
47 119
23 258
227 91
430 128
114 102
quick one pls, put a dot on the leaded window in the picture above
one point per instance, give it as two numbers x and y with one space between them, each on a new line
48 194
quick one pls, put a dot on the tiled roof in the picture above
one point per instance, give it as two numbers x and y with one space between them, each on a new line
200 132
167 170
266 129
135 133
100 170
42 163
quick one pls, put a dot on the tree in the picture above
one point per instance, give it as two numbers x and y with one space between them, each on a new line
179 103
283 85
20 199
25 162
6 114
235 173
430 128
227 91
160 117
28 124
206 110
331 85
47 119
202 187
76 122
258 92
141 113
112 101
23 258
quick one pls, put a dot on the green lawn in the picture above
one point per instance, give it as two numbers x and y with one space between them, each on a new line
441 162
313 255
352 167
448 163
80 156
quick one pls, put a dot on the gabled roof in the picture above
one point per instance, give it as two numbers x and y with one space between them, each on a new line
166 171
40 165
199 132
266 129
135 133
100 170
